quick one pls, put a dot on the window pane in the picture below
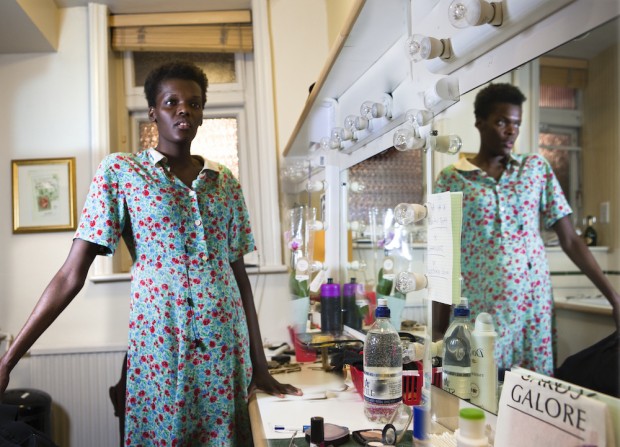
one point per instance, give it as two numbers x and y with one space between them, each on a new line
216 140
560 163
219 67
555 97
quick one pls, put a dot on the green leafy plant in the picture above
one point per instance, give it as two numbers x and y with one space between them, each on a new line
384 285
299 289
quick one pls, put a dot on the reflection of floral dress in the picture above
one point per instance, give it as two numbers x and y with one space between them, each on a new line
183 289
504 264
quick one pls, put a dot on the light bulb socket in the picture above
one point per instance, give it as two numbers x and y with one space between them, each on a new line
465 13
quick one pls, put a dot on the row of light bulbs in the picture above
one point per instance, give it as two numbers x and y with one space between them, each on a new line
462 14
408 137
406 281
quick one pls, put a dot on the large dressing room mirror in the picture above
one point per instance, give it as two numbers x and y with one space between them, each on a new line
573 112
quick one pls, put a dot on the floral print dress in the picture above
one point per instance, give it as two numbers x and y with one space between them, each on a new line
504 265
188 357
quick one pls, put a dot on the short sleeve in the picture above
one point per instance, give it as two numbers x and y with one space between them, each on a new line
553 203
103 215
240 238
445 180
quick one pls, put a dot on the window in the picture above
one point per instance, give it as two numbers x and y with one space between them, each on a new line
239 102
559 140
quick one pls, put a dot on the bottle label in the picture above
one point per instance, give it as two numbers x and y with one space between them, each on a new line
457 381
383 385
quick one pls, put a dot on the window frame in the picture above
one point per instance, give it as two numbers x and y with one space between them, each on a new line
257 140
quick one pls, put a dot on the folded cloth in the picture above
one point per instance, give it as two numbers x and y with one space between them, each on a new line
595 367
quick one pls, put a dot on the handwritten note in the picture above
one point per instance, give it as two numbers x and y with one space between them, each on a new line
539 410
443 268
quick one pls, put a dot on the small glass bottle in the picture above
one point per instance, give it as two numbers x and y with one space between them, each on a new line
589 233
317 432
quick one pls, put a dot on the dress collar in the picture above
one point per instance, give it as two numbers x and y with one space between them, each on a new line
463 164
208 165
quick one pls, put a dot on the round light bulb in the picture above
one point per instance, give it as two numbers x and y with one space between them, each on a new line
465 13
405 139
349 122
410 282
356 187
316 186
366 109
422 47
408 213
419 117
446 144
361 123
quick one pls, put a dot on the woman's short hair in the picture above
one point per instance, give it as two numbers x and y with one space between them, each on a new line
494 94
174 70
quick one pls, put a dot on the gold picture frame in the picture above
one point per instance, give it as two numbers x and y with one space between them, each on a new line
44 195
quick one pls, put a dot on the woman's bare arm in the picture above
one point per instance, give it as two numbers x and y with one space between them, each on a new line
61 290
261 379
579 253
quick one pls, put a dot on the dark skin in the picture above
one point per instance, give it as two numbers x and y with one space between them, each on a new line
178 114
498 133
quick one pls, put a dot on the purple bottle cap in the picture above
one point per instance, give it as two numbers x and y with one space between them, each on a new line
330 289
350 288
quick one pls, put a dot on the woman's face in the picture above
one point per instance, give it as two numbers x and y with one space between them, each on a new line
499 130
177 111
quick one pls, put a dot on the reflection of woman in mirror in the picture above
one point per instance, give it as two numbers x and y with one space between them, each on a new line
504 266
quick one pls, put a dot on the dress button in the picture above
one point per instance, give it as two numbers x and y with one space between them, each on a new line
198 222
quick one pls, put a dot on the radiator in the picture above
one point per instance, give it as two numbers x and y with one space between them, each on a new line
82 414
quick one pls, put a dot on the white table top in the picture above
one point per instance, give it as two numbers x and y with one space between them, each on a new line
326 395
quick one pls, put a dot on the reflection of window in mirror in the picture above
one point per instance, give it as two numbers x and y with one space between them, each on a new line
562 84
217 138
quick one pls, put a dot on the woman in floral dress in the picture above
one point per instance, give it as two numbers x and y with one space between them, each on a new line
195 349
504 266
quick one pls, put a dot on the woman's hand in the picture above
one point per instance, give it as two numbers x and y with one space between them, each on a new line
4 377
263 381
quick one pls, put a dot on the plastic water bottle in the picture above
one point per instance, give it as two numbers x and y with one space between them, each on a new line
483 365
456 355
383 367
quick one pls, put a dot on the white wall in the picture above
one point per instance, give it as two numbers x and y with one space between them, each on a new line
46 114
299 50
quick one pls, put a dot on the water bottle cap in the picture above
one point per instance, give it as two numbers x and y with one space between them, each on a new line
382 311
461 311
484 323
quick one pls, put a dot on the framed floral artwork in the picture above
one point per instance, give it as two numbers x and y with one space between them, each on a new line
44 195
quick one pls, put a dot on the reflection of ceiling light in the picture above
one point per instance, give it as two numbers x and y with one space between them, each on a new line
408 213
316 186
422 47
410 282
465 13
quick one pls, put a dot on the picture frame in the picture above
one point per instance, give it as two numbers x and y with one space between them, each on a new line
44 195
